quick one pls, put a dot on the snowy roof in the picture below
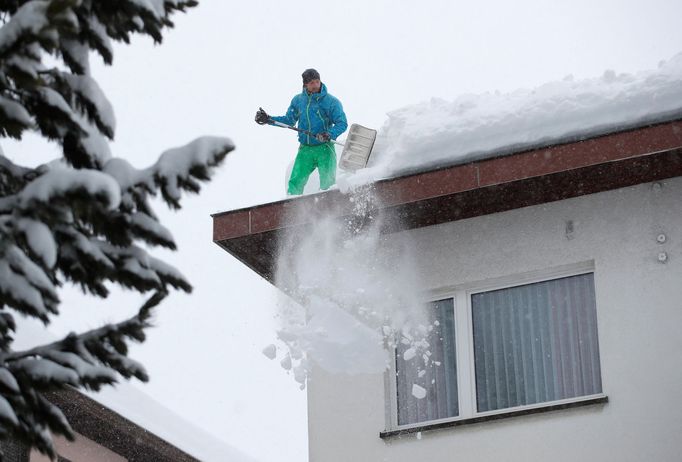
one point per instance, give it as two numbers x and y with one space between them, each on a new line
467 190
439 133
442 161
138 407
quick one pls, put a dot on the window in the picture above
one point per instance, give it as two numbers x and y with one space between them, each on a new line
507 348
438 379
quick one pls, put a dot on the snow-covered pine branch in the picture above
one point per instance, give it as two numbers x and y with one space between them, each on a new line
176 170
83 218
89 360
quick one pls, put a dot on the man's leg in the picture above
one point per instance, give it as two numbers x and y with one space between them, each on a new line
303 167
326 163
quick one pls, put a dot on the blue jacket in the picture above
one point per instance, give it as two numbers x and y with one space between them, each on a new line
317 113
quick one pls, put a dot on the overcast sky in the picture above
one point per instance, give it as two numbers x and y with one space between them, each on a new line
225 59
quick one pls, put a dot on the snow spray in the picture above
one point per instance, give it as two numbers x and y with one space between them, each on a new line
349 290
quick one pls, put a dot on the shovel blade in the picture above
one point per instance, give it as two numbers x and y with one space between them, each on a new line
357 148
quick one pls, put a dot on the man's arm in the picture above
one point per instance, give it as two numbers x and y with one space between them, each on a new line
291 116
338 117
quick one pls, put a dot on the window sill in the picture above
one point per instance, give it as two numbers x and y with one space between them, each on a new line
487 418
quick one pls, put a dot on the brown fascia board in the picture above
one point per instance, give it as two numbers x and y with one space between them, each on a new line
113 431
529 177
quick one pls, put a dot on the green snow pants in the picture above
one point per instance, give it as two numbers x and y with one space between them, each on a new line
320 156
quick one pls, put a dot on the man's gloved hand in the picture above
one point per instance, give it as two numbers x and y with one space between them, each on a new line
323 137
262 117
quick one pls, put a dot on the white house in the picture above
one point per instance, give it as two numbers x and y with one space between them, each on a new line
555 275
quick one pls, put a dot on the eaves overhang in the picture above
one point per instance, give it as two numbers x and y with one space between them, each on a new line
520 179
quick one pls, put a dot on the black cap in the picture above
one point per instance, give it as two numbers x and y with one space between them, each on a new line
310 74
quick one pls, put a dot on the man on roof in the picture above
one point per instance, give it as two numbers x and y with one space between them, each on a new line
320 114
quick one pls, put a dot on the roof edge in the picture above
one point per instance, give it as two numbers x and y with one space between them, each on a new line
107 427
480 156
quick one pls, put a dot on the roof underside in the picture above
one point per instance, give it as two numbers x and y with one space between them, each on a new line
483 187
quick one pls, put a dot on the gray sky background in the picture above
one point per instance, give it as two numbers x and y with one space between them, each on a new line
223 60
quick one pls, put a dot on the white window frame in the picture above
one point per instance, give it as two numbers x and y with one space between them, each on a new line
466 376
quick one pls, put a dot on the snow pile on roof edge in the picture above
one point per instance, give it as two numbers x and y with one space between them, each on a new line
438 133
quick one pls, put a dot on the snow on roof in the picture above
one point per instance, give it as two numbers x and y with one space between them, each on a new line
438 133
138 407
135 405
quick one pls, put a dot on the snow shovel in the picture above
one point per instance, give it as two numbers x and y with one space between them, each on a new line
357 148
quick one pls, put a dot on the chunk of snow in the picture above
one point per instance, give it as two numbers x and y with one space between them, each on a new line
29 19
409 354
15 111
8 380
138 22
6 412
78 52
166 270
90 247
125 174
59 180
82 368
56 100
300 375
151 226
42 370
270 351
39 239
16 287
25 282
140 270
26 65
154 7
100 32
93 143
89 89
418 392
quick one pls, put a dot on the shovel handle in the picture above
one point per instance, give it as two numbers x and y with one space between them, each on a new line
280 124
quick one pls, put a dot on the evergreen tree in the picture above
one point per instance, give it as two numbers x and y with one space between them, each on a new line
81 218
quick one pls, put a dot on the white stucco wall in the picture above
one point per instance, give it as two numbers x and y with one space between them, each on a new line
639 310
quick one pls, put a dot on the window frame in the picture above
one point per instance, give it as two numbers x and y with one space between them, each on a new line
464 348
